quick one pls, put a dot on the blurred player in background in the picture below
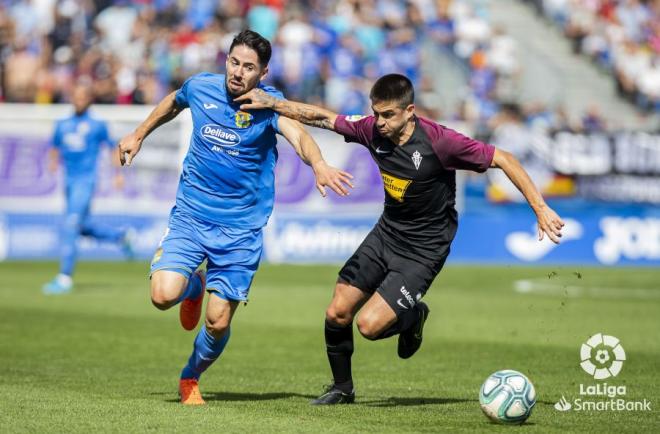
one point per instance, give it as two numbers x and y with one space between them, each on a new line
225 196
76 143
396 263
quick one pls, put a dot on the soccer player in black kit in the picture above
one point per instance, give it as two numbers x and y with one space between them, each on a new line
390 272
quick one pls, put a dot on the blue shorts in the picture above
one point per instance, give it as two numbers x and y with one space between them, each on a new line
232 254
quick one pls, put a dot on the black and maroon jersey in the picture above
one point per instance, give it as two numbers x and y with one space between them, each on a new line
419 179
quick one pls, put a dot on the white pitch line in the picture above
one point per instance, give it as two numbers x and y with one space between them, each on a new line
538 286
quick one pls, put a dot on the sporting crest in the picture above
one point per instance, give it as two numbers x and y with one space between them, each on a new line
243 119
417 159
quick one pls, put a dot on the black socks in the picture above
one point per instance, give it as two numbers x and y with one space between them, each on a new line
339 344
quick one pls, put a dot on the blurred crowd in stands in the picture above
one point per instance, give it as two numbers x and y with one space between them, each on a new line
492 59
621 36
324 51
136 52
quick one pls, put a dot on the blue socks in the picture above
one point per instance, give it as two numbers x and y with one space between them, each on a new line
205 351
69 235
193 289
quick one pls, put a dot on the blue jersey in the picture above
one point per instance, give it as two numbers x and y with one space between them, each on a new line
228 174
79 139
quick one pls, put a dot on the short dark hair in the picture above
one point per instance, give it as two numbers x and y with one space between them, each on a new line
256 42
393 87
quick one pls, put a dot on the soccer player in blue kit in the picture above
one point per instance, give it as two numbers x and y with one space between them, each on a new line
76 142
225 196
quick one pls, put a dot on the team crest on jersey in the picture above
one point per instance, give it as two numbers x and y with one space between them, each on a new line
395 187
354 118
157 256
417 159
243 119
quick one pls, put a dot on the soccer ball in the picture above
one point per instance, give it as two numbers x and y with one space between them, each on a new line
507 397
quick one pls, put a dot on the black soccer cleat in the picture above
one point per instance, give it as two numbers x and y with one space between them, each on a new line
411 339
333 396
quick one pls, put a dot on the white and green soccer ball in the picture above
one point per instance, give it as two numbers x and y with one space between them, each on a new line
507 397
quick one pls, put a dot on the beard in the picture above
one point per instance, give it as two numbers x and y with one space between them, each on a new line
236 93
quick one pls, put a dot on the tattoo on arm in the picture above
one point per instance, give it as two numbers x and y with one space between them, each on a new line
312 117
305 113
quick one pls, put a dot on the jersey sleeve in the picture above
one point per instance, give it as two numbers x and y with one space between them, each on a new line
458 152
181 96
358 129
57 136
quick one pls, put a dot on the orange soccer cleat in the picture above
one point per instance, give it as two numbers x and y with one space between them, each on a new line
189 392
191 309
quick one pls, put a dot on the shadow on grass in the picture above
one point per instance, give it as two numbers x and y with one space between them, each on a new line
551 403
233 396
525 423
411 401
271 396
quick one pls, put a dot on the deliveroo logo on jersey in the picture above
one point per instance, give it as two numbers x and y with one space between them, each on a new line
220 135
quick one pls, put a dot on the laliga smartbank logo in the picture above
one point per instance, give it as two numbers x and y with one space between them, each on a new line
602 357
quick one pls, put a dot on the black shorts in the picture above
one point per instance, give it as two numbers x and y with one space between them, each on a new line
376 266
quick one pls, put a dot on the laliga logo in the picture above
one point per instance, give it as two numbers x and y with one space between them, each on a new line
602 356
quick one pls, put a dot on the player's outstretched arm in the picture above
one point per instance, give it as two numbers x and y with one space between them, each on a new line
118 181
165 111
309 152
549 222
53 160
308 114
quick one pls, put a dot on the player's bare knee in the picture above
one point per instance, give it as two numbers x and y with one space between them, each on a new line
368 327
161 297
217 328
161 302
338 316
166 289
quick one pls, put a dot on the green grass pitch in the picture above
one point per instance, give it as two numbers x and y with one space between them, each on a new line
103 359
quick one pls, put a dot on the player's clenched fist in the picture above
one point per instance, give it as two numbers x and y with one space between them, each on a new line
129 146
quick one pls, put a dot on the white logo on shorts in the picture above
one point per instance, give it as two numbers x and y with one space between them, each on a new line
407 296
